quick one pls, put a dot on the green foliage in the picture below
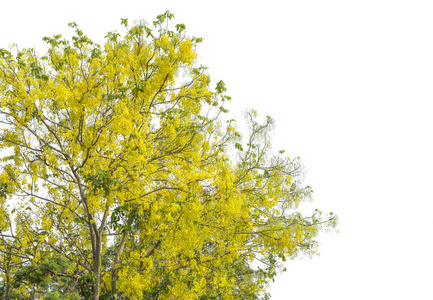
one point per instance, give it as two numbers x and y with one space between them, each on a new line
101 181
60 296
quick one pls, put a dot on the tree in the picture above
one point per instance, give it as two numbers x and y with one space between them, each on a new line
120 179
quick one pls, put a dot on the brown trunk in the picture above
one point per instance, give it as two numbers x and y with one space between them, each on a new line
96 249
97 268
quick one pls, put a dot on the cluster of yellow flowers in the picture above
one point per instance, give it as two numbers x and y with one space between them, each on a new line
125 175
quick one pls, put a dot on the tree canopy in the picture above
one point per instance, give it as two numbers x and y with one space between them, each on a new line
121 179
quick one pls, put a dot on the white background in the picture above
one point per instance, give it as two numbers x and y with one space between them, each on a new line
349 84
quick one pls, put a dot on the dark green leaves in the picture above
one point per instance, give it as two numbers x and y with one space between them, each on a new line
101 181
3 187
40 273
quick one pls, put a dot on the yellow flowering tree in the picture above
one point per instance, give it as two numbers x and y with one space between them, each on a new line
119 179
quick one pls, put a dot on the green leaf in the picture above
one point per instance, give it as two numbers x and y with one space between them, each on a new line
5 54
220 87
73 25
180 27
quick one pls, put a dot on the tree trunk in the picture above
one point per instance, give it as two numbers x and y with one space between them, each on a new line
95 236
97 271
97 282
96 245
